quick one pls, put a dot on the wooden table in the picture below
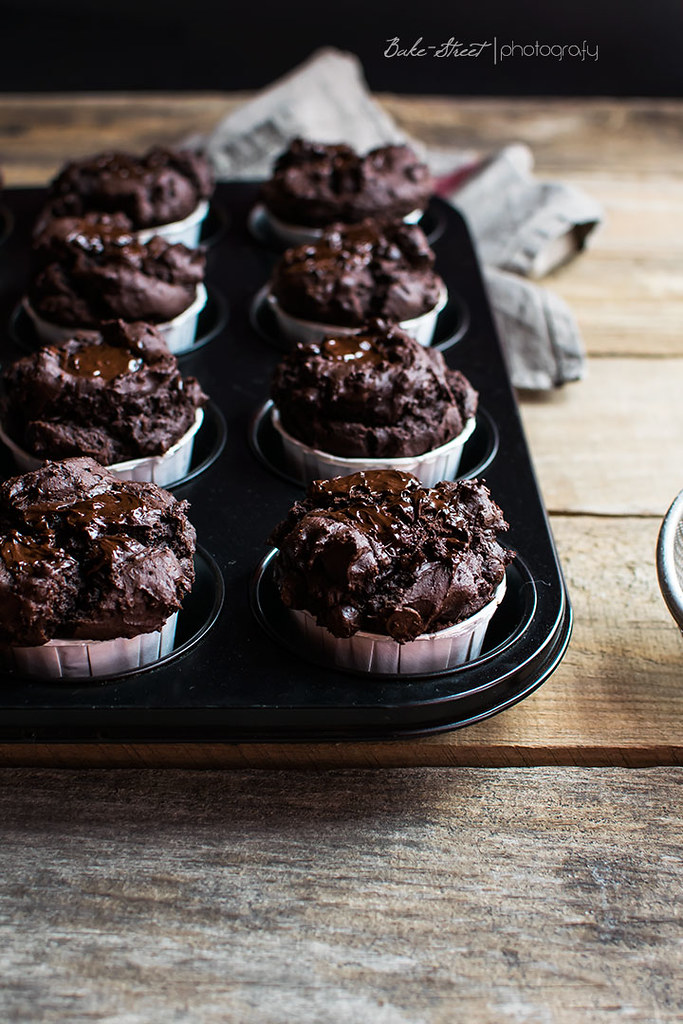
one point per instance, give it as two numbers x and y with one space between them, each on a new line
443 889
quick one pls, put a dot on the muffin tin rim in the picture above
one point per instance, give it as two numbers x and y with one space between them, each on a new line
263 574
259 230
261 417
260 306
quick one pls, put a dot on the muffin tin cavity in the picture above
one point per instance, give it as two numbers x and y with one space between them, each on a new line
511 619
266 443
208 445
451 325
215 225
200 610
432 222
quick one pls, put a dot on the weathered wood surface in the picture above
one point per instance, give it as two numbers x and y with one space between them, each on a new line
607 450
38 133
613 444
402 897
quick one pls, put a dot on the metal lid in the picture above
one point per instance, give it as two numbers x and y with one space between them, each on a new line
670 559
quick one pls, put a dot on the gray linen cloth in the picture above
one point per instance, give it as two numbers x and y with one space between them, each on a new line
521 226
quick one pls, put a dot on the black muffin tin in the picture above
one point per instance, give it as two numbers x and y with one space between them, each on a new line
239 672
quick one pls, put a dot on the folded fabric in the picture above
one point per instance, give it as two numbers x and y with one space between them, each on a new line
538 332
520 225
325 99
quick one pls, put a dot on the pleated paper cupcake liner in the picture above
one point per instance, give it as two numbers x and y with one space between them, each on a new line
179 333
372 652
421 328
308 463
299 234
188 231
89 659
158 469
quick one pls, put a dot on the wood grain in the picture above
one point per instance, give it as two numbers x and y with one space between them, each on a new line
624 138
610 445
402 897
615 699
39 133
626 292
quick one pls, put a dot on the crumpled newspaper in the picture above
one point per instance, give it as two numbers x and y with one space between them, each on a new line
521 226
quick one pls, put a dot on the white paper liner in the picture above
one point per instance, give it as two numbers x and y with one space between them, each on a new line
158 469
179 333
86 659
308 463
371 652
300 234
421 328
188 231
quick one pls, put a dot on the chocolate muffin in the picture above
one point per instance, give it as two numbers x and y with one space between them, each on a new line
161 187
84 554
355 273
114 396
88 270
376 394
315 184
378 552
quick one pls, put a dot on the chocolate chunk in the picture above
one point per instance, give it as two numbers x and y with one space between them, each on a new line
90 269
315 184
378 394
114 395
381 553
355 273
84 554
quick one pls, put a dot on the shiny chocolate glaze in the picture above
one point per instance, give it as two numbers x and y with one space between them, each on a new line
379 552
84 554
354 273
105 361
116 396
379 394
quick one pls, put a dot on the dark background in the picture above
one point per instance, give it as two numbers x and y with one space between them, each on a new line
197 44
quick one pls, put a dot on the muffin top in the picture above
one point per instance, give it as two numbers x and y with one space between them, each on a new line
90 269
86 555
113 395
377 394
379 552
163 186
354 273
314 184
